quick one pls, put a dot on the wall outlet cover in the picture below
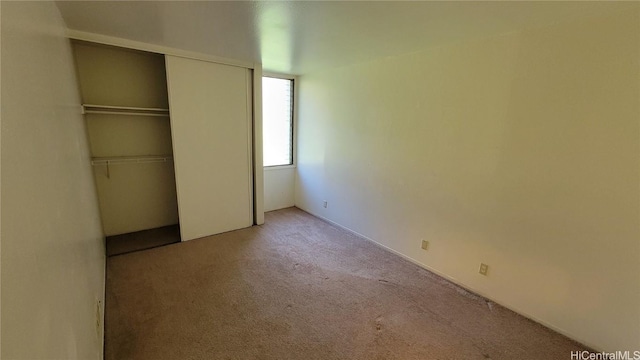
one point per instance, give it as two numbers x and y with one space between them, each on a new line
425 245
484 268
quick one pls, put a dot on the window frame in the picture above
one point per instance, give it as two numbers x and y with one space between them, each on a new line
294 119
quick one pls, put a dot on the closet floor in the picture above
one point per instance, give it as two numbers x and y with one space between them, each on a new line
142 240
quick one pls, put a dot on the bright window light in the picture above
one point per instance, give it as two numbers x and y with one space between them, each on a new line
277 106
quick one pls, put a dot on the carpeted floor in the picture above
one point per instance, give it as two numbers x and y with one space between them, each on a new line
300 288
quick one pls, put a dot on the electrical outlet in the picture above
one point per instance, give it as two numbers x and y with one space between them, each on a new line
325 204
484 268
425 244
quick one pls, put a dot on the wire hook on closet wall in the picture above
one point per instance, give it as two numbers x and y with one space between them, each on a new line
101 161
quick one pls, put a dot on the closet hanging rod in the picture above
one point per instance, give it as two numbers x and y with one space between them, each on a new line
125 113
123 110
94 106
129 160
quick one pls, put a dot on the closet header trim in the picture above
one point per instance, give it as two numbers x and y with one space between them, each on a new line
159 49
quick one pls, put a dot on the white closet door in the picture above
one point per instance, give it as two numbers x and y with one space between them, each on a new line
210 108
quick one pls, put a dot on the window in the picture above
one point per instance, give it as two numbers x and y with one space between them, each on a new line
277 121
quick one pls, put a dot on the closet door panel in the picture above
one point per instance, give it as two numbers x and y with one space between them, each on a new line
210 126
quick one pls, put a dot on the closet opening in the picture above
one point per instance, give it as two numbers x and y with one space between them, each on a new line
126 110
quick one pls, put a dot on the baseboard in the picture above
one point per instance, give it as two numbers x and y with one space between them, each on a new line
280 208
454 282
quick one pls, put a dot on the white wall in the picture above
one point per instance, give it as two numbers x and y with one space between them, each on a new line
278 187
520 151
52 248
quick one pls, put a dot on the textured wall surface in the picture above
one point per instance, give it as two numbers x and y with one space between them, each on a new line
52 247
519 151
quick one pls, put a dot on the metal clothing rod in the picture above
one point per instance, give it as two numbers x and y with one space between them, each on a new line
123 107
123 110
129 160
124 113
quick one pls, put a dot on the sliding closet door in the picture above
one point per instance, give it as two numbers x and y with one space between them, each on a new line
210 106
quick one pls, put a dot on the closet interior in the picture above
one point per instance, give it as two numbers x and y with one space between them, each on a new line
126 109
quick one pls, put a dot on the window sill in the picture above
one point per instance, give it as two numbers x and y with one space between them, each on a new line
278 167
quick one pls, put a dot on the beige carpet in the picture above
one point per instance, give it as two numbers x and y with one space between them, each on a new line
300 288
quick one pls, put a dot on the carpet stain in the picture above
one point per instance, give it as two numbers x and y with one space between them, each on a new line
383 281
466 293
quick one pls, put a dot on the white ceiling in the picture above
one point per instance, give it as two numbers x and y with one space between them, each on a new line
298 37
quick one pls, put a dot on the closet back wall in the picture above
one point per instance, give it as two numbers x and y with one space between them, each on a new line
137 195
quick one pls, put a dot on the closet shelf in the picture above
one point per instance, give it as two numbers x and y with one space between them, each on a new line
97 161
123 110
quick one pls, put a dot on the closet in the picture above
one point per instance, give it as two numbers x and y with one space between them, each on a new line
211 112
125 104
172 142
